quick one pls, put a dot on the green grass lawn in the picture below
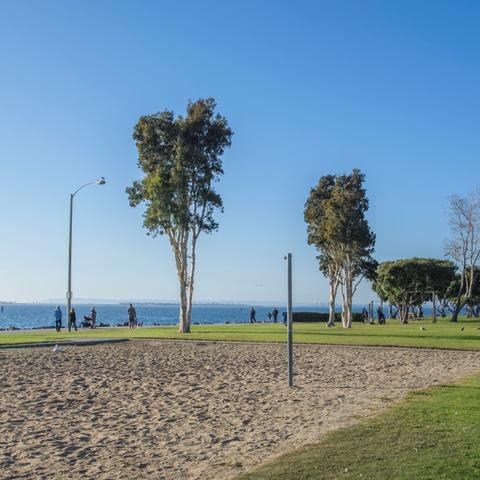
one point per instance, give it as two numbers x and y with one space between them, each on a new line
443 334
433 434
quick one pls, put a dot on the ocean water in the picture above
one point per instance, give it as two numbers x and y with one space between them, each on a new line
25 316
41 315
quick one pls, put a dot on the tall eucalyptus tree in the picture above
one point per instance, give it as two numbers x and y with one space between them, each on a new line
181 160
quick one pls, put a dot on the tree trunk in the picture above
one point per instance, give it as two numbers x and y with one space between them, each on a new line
189 309
456 310
344 312
184 317
181 259
348 309
347 299
183 321
344 301
403 310
191 282
391 313
461 298
331 302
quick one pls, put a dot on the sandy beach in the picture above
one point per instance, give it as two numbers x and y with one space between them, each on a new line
166 410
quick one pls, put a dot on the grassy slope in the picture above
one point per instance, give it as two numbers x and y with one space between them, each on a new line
433 434
441 335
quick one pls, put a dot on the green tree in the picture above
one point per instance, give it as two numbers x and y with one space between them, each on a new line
408 283
315 218
181 160
336 225
472 304
447 295
348 229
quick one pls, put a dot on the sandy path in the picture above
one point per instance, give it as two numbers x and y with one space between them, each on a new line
160 410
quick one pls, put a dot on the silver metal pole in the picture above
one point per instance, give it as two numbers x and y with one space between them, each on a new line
100 181
69 289
290 321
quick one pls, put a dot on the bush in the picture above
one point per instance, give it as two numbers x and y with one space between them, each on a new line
322 317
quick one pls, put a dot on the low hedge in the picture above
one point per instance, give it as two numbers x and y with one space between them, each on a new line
322 317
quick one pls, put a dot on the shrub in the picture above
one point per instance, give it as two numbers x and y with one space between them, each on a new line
321 317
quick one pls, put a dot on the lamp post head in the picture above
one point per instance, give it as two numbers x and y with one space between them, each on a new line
101 181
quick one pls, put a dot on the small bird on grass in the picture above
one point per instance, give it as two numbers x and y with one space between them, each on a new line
422 329
462 329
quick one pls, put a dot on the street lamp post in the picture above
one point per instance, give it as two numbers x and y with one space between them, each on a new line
100 181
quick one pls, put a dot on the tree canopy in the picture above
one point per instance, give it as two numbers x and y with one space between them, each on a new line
337 227
181 160
410 282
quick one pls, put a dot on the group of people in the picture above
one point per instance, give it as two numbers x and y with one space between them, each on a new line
72 319
380 316
88 320
273 314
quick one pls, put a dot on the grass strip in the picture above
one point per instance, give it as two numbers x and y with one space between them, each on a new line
432 434
443 334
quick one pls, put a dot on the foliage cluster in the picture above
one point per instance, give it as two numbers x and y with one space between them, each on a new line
338 229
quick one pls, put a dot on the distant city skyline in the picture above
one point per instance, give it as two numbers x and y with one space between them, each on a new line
138 301
309 89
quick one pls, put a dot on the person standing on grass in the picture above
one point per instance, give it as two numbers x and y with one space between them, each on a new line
284 316
93 316
253 314
132 316
72 320
275 315
58 319
381 316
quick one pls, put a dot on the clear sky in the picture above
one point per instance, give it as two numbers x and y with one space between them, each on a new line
309 88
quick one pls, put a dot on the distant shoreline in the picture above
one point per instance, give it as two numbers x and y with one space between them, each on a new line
87 329
176 304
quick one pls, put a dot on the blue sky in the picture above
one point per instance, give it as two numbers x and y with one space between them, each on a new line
309 88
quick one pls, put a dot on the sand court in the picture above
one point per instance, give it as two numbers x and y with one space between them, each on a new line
191 410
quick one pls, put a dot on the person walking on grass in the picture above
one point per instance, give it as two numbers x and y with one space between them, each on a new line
72 320
58 319
275 315
132 316
253 314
